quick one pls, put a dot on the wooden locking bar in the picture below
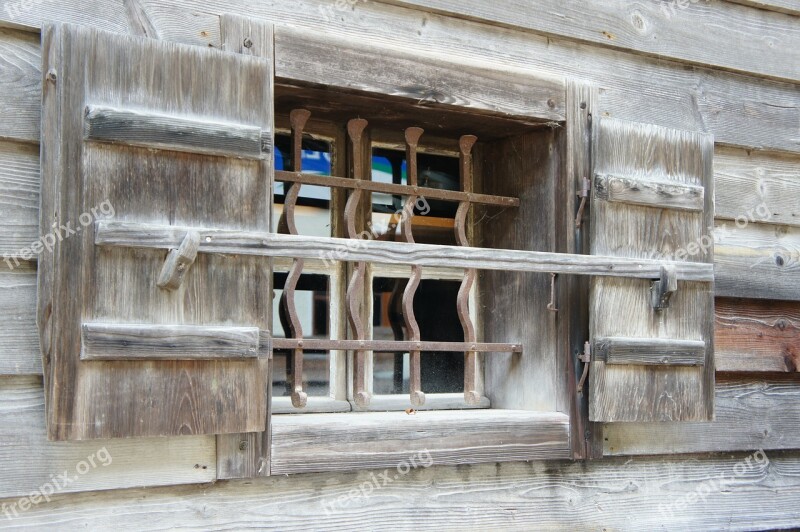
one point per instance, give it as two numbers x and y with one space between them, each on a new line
649 351
233 242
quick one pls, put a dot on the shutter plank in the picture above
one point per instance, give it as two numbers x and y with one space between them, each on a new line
633 384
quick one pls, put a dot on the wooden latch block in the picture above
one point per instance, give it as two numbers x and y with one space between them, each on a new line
661 291
178 262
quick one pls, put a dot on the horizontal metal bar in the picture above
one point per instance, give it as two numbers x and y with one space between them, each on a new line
391 188
391 346
113 341
232 242
176 133
650 351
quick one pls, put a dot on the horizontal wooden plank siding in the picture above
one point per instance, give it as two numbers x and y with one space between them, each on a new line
19 196
19 339
764 187
781 6
750 414
352 441
669 29
739 492
633 87
757 335
756 260
28 461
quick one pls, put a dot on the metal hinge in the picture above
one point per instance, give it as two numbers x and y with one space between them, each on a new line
586 358
583 193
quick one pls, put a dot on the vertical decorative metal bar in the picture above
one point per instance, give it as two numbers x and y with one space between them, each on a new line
355 289
288 310
471 395
413 135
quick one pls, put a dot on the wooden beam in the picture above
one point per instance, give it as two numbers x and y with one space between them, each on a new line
741 491
650 193
118 342
757 336
124 234
354 441
668 29
649 351
170 132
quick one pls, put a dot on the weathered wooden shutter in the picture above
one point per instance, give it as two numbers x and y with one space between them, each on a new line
652 341
140 342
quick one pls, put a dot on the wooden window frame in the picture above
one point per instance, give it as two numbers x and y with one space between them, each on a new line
304 443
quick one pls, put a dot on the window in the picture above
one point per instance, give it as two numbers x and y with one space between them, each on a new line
167 319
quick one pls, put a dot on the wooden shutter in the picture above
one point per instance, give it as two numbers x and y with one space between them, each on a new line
652 197
140 342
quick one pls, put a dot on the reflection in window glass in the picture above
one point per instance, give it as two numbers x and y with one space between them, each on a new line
312 300
435 310
312 213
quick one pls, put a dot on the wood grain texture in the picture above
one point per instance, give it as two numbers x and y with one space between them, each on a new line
220 241
623 307
19 342
352 441
756 260
781 6
757 336
649 351
754 41
115 341
29 460
247 455
643 493
158 131
650 192
633 87
757 186
514 305
19 196
78 282
750 414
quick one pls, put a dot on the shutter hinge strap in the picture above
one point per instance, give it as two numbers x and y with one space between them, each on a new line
583 193
586 358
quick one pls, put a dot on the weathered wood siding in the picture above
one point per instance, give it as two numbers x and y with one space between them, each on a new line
729 68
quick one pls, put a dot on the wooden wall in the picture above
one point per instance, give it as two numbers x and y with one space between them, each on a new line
726 67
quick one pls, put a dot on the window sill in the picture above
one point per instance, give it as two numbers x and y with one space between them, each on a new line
374 440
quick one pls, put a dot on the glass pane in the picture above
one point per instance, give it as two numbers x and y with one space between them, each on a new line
312 214
433 222
435 310
312 300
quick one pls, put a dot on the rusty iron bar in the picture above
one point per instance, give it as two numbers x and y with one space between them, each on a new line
471 395
395 189
412 136
386 346
355 288
290 321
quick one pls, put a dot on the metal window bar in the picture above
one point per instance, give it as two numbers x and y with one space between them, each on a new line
357 184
